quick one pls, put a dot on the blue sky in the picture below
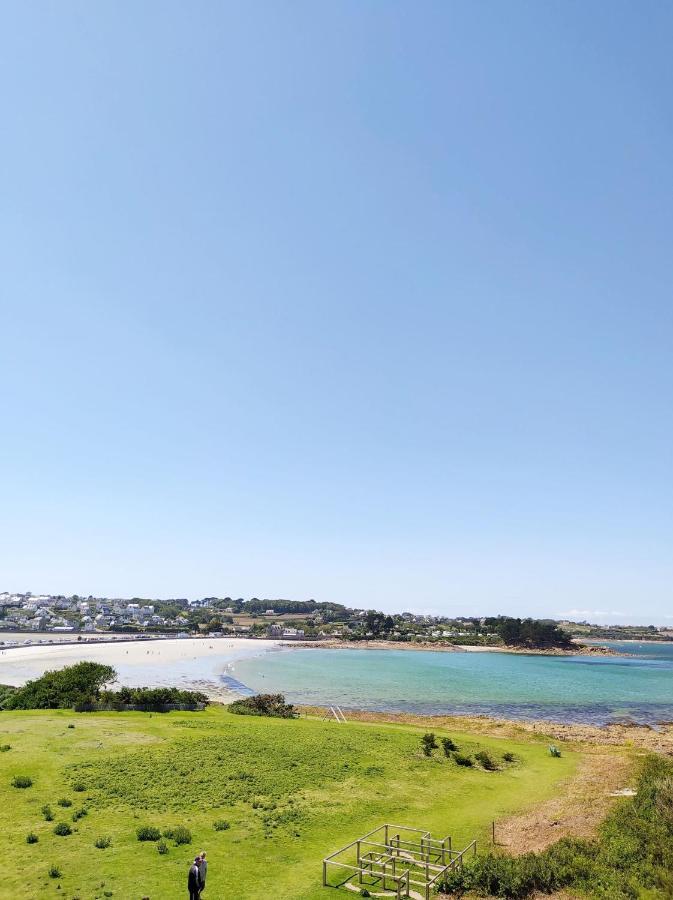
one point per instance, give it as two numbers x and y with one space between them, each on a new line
367 302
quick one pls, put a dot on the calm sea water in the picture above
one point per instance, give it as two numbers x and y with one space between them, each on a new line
594 690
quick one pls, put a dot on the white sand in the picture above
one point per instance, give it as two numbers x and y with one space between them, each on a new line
195 662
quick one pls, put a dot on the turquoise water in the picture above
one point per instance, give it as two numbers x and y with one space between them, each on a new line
595 690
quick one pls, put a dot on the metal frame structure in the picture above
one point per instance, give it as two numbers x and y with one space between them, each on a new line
395 858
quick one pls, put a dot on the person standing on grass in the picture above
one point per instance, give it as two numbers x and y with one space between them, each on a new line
194 880
203 871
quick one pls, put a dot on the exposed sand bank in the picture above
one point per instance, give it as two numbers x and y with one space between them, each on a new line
196 662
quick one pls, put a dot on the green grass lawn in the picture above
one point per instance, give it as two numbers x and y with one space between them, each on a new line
292 791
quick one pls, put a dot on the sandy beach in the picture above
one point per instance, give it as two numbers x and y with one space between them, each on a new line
185 662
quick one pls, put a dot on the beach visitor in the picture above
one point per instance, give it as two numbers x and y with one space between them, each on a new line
194 880
203 871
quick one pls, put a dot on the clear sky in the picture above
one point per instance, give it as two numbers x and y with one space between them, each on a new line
370 302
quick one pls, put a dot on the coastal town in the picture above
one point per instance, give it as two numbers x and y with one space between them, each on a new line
53 615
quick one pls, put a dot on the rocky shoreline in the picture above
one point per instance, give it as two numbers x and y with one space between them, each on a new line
579 650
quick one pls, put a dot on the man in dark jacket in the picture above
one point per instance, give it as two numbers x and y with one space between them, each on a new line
194 880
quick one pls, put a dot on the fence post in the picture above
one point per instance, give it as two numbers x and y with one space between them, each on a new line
324 873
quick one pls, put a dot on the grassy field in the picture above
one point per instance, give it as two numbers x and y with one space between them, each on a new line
291 790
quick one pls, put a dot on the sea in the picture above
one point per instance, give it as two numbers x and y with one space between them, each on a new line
634 688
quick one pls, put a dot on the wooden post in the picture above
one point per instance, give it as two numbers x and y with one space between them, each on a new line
324 873
493 832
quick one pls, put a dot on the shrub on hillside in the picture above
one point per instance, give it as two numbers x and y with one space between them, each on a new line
54 872
62 688
147 699
485 760
221 825
22 781
5 748
462 759
79 787
31 838
428 743
509 757
148 833
64 802
273 705
62 829
102 843
179 834
47 813
162 847
448 746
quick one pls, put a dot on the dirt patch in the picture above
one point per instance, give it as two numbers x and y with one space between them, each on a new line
581 804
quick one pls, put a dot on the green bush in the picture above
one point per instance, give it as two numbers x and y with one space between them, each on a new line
162 847
179 834
272 705
462 759
5 747
79 787
64 802
448 746
32 838
62 688
54 872
485 760
554 750
71 725
509 757
22 781
79 814
428 743
221 825
47 813
148 833
102 843
62 829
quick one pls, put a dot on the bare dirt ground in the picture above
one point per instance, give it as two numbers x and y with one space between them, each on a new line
581 804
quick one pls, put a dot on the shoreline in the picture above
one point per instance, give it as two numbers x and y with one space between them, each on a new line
641 737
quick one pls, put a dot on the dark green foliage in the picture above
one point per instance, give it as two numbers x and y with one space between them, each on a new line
554 750
462 759
6 692
79 787
62 688
273 705
428 743
509 757
152 699
179 834
535 634
71 725
64 802
47 813
148 833
162 847
633 853
54 872
5 747
485 760
448 746
62 829
221 825
22 781
79 814
102 843
32 838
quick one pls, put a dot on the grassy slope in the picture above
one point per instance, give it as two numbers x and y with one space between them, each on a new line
322 784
